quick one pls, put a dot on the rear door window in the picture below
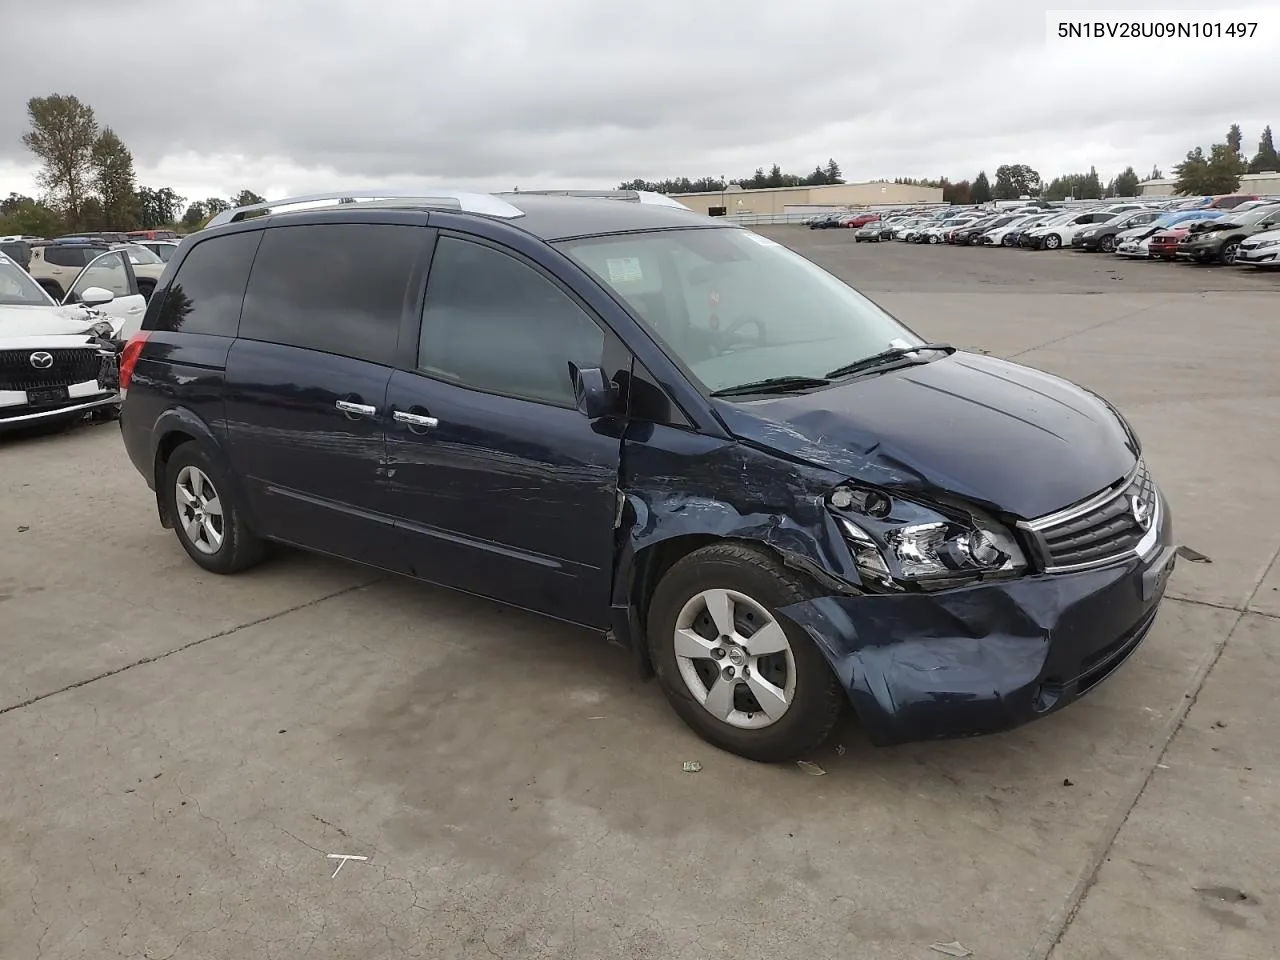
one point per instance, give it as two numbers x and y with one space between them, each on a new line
338 288
68 256
208 289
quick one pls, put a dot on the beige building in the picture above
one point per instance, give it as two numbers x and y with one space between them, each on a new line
1263 184
777 200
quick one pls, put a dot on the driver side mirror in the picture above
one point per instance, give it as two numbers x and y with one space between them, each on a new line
594 394
96 296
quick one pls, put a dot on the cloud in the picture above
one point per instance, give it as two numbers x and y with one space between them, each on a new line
294 96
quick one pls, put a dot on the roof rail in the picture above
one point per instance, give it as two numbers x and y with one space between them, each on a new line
631 196
463 200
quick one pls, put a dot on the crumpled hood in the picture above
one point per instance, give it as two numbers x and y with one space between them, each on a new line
22 322
995 433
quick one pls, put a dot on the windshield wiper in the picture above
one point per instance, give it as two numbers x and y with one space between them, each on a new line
884 357
771 385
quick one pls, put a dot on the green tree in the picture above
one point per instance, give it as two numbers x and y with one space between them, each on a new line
1016 180
981 189
833 172
1156 174
246 198
1126 184
1266 157
1217 173
62 135
157 207
195 215
959 193
113 179
27 217
1235 138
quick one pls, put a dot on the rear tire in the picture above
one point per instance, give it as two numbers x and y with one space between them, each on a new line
786 701
206 517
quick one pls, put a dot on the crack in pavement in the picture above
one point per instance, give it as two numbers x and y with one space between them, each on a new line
1092 327
1062 919
187 646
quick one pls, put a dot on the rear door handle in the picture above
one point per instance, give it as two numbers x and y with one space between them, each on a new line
414 419
356 409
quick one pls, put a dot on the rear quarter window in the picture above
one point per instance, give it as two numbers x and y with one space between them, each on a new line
207 291
338 288
68 256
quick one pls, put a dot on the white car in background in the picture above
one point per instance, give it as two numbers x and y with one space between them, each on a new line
1058 233
1136 245
1262 250
58 360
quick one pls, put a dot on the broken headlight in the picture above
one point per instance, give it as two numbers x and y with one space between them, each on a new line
897 542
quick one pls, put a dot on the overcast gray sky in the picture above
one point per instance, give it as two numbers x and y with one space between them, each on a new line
294 96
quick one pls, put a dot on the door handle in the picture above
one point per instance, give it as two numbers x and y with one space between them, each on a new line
356 409
414 419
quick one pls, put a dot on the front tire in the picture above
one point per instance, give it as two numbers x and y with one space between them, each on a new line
1052 242
1228 253
206 517
1108 245
743 678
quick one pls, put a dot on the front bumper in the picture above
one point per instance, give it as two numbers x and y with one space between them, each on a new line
981 659
17 412
1187 252
1258 256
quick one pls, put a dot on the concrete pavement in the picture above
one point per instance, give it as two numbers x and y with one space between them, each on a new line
182 751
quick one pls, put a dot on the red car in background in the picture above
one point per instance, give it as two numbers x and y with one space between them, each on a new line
859 220
1164 245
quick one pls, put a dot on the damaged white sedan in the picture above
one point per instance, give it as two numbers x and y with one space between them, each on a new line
58 361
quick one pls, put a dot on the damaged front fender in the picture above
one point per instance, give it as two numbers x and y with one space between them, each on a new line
680 490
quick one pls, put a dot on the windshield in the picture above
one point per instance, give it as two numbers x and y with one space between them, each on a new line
733 307
139 254
17 289
1250 217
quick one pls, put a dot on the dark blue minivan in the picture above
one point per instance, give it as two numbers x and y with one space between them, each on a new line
660 426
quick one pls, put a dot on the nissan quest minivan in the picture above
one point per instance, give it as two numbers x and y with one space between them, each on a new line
660 426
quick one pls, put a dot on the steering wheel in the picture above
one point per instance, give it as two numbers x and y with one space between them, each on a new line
730 337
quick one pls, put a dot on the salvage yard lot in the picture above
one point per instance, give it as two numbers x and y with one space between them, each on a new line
182 751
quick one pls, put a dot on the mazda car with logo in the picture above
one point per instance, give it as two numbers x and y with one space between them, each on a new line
57 361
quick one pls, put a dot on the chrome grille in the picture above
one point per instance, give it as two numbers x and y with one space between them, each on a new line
69 366
1100 531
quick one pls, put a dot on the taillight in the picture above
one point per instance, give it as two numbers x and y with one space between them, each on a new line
129 357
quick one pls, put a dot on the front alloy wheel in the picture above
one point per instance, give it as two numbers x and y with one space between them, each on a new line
1228 254
735 659
743 677
1108 245
1052 242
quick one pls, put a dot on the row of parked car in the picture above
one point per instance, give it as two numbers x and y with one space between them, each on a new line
1237 229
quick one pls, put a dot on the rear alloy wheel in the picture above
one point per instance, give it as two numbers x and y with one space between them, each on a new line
1052 241
741 677
205 515
1107 245
1227 254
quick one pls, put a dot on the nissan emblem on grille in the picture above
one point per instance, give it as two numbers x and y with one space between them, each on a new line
1141 510
41 360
